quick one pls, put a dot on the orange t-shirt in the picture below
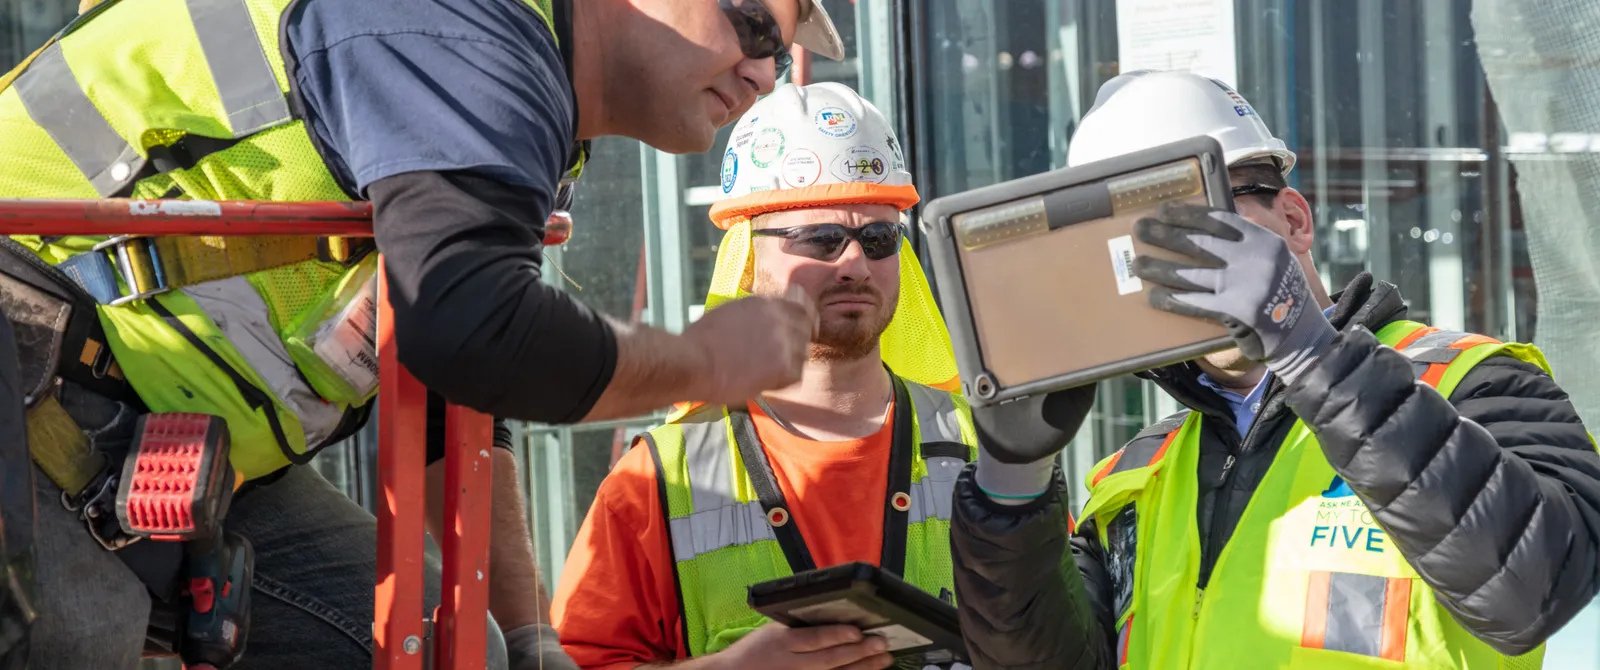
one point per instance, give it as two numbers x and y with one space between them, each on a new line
617 603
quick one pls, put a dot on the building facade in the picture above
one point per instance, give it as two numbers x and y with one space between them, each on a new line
1450 148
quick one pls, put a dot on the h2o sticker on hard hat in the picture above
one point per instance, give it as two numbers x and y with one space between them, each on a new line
801 168
861 164
767 148
730 170
836 122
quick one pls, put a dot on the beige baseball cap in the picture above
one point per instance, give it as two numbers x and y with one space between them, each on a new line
816 31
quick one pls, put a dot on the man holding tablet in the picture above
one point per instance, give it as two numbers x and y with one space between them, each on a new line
855 463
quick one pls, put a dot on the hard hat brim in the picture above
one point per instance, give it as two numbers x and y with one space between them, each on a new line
726 213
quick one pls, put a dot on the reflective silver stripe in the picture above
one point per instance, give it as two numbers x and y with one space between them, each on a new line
240 315
1432 348
1355 613
937 421
706 456
239 67
936 414
719 520
57 103
720 528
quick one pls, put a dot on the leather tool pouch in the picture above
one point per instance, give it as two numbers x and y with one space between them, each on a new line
58 331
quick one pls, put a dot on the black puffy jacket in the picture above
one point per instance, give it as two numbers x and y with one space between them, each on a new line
1492 495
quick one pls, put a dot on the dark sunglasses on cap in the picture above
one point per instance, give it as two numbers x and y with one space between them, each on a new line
826 241
759 34
1255 189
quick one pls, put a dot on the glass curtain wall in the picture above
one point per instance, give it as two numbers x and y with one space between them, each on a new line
1443 146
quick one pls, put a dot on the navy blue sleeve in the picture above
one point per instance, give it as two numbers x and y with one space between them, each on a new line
396 86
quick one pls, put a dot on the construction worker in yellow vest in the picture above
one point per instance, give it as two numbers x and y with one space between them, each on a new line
856 462
1346 489
460 121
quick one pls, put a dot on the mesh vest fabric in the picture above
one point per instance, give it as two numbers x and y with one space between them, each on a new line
147 75
1273 600
721 539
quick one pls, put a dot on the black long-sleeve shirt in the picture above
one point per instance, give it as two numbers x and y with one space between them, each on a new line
472 320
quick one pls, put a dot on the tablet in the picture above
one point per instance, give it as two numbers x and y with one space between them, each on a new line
921 629
1034 274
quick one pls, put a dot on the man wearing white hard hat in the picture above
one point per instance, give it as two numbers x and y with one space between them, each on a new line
1346 488
856 462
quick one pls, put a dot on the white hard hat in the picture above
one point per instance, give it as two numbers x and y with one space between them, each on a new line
807 146
816 32
1144 109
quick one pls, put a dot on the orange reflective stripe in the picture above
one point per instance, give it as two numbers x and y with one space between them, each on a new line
1316 621
1110 465
1414 336
1396 609
1122 641
1163 450
1436 371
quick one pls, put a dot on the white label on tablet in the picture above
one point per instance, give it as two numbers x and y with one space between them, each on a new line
1122 264
899 637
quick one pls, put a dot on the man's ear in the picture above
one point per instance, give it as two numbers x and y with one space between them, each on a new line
1296 211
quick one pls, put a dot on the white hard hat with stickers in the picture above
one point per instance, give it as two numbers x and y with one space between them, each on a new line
1148 108
816 146
801 137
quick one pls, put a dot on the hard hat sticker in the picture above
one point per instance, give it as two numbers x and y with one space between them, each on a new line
768 147
860 164
836 122
801 168
730 170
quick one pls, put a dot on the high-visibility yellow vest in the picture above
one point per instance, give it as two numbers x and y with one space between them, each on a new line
1307 580
151 98
725 539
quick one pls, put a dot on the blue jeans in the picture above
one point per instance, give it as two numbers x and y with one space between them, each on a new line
315 570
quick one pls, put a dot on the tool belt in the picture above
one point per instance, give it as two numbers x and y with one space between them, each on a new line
154 492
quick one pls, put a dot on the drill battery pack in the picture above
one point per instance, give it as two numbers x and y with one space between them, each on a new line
177 482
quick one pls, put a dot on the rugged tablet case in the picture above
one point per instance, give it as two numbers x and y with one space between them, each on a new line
1068 246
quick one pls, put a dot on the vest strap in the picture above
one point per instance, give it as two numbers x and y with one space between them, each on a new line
248 89
896 508
53 99
766 485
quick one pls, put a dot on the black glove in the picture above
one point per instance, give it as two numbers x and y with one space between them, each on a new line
1034 428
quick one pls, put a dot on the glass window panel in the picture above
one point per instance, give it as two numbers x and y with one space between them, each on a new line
1438 148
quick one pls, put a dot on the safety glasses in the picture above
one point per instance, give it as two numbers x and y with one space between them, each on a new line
826 241
1255 189
759 34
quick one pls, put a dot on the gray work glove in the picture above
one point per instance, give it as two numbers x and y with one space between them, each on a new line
1018 441
1240 275
536 647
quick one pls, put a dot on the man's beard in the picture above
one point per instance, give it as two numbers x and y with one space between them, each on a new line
843 337
852 336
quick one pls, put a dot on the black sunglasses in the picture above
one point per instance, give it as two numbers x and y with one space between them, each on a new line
1255 189
759 34
826 241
